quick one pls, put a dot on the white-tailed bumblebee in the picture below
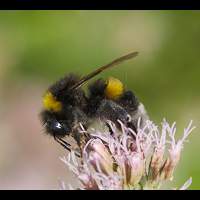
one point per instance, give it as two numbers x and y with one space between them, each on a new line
66 105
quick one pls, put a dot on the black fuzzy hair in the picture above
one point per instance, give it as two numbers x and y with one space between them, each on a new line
62 91
64 84
129 101
97 88
96 95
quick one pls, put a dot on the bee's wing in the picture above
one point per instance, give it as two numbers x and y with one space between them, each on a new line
104 67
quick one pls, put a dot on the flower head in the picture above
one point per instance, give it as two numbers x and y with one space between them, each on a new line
129 160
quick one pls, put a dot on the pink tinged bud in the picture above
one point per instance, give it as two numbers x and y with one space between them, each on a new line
100 158
174 151
156 163
158 153
137 166
123 172
171 162
131 169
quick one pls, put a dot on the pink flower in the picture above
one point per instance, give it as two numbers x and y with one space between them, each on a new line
126 160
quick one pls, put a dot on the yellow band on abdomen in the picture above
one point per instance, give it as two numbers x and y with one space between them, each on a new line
114 88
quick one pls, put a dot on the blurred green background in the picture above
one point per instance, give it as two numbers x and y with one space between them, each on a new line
38 47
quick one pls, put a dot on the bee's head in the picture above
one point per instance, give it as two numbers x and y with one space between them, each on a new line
54 126
57 128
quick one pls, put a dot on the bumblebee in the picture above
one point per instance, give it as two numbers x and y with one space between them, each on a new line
66 105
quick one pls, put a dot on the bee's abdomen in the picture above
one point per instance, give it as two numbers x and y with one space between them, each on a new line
141 114
129 101
109 110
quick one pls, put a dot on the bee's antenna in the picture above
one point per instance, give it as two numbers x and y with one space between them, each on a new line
104 67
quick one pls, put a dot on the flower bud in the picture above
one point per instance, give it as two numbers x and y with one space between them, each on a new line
100 158
156 163
171 162
137 169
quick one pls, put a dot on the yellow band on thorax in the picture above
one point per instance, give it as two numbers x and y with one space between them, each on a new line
50 103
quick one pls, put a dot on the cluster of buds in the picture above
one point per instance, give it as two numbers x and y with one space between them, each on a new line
127 160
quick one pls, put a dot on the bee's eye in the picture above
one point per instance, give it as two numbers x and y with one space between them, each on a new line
58 125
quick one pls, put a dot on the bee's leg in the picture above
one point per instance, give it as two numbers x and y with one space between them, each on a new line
81 139
83 130
80 124
64 144
109 128
86 134
112 111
